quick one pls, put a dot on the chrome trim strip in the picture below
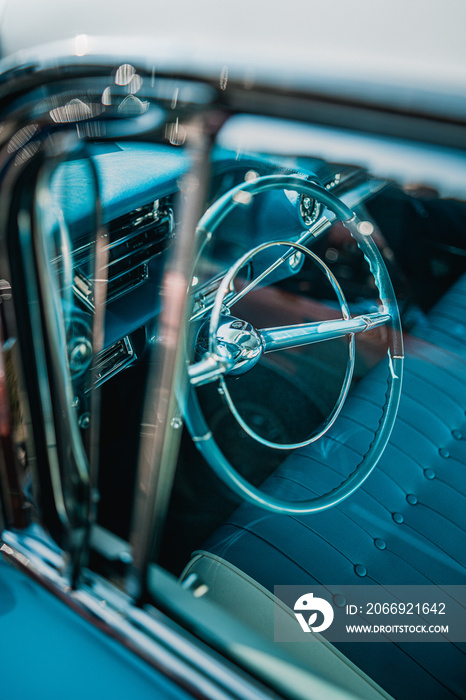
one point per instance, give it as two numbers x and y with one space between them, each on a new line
112 360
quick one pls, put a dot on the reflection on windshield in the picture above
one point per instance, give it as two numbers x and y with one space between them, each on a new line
214 361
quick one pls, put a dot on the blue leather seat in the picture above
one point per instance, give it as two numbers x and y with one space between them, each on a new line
405 525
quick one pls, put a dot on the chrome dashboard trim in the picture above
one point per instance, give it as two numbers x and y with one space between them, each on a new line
163 227
112 360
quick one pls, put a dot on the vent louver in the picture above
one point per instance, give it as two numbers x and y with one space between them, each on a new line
133 240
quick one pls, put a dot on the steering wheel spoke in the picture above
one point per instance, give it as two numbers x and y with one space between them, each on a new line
283 337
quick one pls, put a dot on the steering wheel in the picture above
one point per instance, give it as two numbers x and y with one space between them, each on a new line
235 346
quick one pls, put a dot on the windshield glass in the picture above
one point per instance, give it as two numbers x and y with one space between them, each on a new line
219 310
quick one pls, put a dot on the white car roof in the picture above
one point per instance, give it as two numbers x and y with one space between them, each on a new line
407 53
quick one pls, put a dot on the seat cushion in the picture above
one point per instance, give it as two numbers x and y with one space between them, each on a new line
405 525
251 603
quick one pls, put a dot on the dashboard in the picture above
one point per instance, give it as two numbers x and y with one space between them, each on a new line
139 191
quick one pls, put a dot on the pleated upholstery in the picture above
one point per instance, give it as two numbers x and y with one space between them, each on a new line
405 525
446 322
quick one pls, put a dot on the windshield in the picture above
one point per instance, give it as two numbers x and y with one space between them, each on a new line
214 312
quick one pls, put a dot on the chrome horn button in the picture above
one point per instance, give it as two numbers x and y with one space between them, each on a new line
238 341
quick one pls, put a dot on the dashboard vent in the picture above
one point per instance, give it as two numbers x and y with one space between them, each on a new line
113 360
132 241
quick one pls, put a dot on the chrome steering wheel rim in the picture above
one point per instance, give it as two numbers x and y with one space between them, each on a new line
194 418
213 346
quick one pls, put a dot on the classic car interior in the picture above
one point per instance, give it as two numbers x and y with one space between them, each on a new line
313 448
